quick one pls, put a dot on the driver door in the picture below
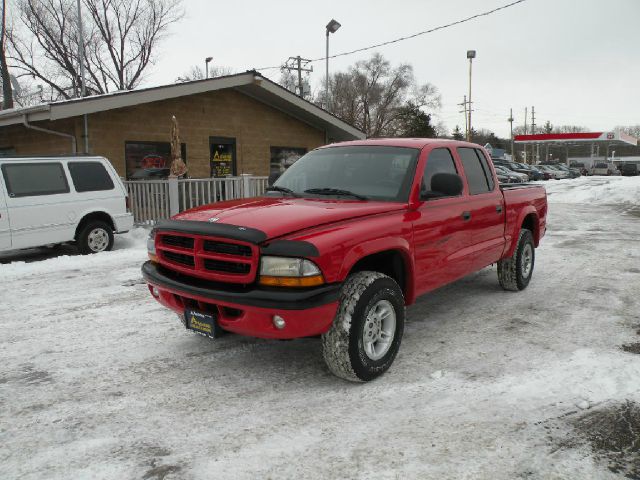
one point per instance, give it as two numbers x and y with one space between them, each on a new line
439 232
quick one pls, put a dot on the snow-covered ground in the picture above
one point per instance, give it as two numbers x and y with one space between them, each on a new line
99 381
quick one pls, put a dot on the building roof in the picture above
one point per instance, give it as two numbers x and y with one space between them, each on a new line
578 137
250 83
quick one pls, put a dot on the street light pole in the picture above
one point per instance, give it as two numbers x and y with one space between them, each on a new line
83 82
332 27
471 54
206 66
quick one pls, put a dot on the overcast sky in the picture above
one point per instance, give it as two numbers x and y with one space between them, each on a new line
576 61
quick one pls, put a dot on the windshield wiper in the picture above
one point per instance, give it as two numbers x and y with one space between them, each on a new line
335 191
286 190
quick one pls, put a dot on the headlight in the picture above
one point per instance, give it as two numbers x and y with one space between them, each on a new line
289 272
151 246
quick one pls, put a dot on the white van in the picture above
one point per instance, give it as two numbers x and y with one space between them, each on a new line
51 200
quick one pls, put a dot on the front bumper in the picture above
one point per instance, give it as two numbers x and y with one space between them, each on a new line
249 312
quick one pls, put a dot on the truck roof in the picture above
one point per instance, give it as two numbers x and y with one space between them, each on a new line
405 142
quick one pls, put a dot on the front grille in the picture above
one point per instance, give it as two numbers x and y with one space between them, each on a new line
227 267
208 258
227 248
176 241
179 258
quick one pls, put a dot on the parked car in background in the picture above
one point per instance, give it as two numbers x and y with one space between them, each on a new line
52 200
553 172
599 168
514 167
573 173
507 175
629 169
534 173
580 167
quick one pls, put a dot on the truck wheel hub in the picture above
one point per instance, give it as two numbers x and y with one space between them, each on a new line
379 330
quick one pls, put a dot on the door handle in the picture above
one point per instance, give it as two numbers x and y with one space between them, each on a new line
466 216
499 208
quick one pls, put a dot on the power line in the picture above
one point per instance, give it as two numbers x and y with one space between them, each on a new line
424 32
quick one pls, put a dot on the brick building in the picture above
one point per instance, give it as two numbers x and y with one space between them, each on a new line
229 125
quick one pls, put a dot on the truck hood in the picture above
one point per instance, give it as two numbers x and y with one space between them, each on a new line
277 217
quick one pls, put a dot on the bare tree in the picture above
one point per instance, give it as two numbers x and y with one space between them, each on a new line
7 91
120 42
197 73
374 96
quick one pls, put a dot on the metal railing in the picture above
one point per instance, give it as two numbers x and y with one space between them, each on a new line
153 200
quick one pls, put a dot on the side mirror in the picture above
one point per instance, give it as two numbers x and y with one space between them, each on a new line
443 185
273 177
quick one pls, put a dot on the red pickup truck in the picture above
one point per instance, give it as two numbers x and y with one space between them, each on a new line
342 242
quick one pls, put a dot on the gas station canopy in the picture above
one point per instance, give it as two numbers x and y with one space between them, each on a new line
612 138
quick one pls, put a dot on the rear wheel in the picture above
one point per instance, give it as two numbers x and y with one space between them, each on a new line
367 331
514 273
95 237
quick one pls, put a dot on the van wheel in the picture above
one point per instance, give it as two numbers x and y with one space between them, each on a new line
514 273
366 333
95 237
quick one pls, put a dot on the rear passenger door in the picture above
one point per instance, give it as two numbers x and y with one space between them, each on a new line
5 232
38 201
485 210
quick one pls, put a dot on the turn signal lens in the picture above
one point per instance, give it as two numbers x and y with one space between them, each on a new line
151 246
270 281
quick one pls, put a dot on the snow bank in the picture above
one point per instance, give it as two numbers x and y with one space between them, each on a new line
128 246
595 190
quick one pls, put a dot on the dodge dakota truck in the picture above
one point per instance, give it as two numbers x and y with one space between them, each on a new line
338 246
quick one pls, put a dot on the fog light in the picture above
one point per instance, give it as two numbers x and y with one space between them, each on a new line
155 292
278 322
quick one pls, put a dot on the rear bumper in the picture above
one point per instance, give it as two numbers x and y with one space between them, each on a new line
123 222
306 312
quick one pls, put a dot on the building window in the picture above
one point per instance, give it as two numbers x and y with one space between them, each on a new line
149 160
283 157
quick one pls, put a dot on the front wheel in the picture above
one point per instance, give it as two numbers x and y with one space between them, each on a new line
367 331
514 273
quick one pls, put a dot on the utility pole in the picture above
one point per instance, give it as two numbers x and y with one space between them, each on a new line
83 79
471 54
466 120
300 64
513 152
525 132
534 148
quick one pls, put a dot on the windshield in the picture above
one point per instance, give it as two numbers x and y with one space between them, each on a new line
375 172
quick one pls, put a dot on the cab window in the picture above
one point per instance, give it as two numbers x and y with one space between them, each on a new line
440 160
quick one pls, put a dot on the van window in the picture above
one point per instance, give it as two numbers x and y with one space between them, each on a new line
474 171
89 177
30 179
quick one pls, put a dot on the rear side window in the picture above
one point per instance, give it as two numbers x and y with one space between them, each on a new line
476 173
440 161
485 166
31 179
90 176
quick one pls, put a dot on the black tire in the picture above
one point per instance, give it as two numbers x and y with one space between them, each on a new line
512 272
365 297
95 237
